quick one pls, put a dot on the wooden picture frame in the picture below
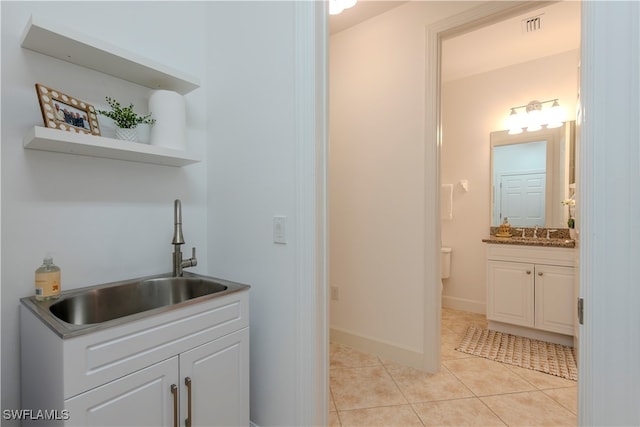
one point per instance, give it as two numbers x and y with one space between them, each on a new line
64 112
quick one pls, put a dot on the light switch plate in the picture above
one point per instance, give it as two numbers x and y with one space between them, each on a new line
280 230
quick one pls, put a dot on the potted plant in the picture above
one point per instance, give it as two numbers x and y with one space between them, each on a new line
571 222
125 119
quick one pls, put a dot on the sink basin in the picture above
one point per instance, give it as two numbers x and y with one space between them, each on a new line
108 303
85 310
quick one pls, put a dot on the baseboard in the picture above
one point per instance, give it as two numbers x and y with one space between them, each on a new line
535 334
383 349
464 304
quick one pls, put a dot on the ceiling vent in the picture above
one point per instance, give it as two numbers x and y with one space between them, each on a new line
532 24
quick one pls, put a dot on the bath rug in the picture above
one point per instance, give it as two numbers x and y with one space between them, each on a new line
554 359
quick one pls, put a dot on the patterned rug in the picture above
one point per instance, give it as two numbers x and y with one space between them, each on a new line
554 359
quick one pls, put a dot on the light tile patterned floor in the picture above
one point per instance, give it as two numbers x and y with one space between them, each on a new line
366 390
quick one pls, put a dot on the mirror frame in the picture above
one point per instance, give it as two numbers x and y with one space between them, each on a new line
560 168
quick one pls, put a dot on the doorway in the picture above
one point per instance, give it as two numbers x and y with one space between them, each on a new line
492 101
480 98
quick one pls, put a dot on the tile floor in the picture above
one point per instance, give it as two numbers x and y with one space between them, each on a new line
366 390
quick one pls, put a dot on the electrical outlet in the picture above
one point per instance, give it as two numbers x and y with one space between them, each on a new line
334 293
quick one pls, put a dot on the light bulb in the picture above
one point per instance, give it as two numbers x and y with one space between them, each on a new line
533 120
346 4
556 116
335 7
514 123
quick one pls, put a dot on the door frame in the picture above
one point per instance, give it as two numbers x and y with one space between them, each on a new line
471 19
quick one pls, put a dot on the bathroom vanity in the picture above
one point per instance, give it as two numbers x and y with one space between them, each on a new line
184 363
531 289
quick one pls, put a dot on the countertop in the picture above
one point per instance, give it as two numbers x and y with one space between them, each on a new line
530 241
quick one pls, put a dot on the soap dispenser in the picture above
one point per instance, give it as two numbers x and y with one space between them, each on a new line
47 280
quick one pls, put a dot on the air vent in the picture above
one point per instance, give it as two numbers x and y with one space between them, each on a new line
532 24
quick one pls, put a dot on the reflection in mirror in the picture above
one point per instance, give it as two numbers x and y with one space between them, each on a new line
530 176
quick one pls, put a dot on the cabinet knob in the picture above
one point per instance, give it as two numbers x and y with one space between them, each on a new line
528 271
540 273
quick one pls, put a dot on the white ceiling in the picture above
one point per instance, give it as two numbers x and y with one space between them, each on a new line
495 46
362 11
505 43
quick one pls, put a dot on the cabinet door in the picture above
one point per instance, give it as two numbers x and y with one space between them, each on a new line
143 398
510 296
555 298
218 373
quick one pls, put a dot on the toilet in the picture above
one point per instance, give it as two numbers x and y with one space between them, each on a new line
445 264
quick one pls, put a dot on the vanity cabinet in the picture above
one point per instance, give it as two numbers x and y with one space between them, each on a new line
188 366
531 287
204 385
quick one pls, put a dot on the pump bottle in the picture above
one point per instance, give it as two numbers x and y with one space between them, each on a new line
47 280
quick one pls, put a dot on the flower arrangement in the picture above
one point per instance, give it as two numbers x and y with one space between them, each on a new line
571 203
125 117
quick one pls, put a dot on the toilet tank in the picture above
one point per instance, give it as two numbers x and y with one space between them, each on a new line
445 262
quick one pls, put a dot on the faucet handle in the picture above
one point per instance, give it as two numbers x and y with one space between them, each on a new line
550 231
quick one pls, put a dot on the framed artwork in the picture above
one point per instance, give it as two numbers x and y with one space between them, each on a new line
64 112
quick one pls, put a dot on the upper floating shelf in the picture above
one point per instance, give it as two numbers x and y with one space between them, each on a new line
54 40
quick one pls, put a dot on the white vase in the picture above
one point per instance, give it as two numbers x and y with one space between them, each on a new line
127 134
572 233
144 132
169 110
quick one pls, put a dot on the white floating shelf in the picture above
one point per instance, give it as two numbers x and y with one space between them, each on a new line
45 139
54 40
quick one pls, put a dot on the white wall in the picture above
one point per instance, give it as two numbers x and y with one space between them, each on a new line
472 108
103 220
609 206
250 181
377 175
107 220
255 168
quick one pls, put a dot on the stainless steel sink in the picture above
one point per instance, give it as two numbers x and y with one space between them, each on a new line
101 305
84 310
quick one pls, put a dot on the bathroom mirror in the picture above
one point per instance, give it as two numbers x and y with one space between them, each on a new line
531 174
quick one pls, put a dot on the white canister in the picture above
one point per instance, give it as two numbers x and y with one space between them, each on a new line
169 110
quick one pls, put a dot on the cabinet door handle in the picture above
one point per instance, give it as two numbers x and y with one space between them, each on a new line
528 271
174 391
540 273
187 382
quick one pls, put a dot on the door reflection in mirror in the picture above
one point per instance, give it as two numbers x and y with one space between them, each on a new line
520 173
530 176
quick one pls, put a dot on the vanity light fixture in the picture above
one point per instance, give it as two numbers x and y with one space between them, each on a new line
534 117
337 6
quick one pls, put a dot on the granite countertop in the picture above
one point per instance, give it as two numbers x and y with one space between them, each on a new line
560 238
530 241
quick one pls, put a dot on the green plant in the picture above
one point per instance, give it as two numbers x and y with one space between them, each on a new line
125 117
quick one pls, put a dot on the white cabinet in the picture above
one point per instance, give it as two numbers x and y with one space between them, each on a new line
554 299
531 287
510 292
215 376
205 386
188 366
143 398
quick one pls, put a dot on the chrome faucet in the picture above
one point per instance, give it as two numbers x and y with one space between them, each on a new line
178 239
535 232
